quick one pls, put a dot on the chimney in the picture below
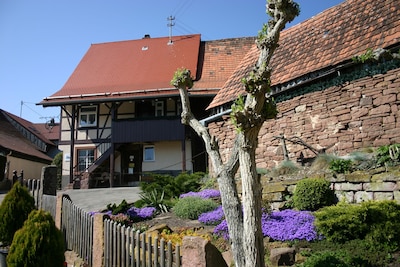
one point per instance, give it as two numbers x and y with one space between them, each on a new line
146 36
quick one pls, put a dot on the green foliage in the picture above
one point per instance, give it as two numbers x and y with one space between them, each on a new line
342 222
154 199
57 161
352 74
338 258
374 222
312 194
351 253
182 79
173 187
121 208
14 210
367 56
37 243
192 207
237 106
388 155
340 165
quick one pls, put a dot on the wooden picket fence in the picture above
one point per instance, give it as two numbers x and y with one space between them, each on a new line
77 228
126 247
42 201
122 246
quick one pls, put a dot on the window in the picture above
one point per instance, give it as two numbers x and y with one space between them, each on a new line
159 108
149 153
85 159
88 116
171 109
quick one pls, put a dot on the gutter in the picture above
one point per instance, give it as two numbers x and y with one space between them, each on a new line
214 117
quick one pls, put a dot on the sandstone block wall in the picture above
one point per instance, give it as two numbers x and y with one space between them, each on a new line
359 114
356 187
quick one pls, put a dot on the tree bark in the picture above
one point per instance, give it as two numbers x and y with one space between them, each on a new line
244 227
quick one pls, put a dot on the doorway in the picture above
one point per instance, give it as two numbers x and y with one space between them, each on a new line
131 163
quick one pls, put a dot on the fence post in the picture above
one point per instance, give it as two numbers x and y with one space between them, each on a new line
58 216
48 183
98 240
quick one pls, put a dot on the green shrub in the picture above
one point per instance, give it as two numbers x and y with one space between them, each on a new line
342 222
14 210
353 253
375 222
388 155
340 165
192 207
341 258
174 186
37 243
154 199
121 208
312 194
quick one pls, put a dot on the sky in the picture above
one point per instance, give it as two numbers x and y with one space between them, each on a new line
42 41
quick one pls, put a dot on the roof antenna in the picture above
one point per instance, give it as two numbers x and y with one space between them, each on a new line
170 25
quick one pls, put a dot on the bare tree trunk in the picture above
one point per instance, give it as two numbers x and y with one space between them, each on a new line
248 116
225 172
251 199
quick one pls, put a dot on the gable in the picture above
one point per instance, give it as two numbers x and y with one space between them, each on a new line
324 41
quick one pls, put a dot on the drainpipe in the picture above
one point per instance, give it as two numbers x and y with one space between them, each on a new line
184 153
207 120
112 156
72 147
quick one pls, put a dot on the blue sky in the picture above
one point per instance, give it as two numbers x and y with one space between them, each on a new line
42 41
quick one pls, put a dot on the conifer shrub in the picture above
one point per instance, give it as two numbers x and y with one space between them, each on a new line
37 243
375 222
192 207
14 210
312 194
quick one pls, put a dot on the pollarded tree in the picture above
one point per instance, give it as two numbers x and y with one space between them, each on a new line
248 114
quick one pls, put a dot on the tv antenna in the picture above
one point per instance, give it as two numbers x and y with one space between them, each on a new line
170 25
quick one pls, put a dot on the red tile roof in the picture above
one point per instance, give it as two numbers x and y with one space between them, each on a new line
11 139
52 133
219 60
29 126
332 37
145 67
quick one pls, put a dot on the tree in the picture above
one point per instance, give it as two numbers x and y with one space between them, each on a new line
38 243
248 114
14 210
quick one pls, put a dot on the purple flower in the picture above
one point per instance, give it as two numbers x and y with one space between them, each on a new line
222 230
141 213
289 225
212 217
206 193
286 225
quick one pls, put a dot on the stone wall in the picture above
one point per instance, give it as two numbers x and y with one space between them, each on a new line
355 187
354 115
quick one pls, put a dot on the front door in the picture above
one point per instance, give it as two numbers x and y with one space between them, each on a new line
131 163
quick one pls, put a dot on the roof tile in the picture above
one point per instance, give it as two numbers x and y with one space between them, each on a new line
331 37
143 68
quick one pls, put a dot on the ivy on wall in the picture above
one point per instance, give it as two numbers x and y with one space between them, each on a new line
350 74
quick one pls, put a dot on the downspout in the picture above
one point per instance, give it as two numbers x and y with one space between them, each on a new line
112 156
72 147
184 152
